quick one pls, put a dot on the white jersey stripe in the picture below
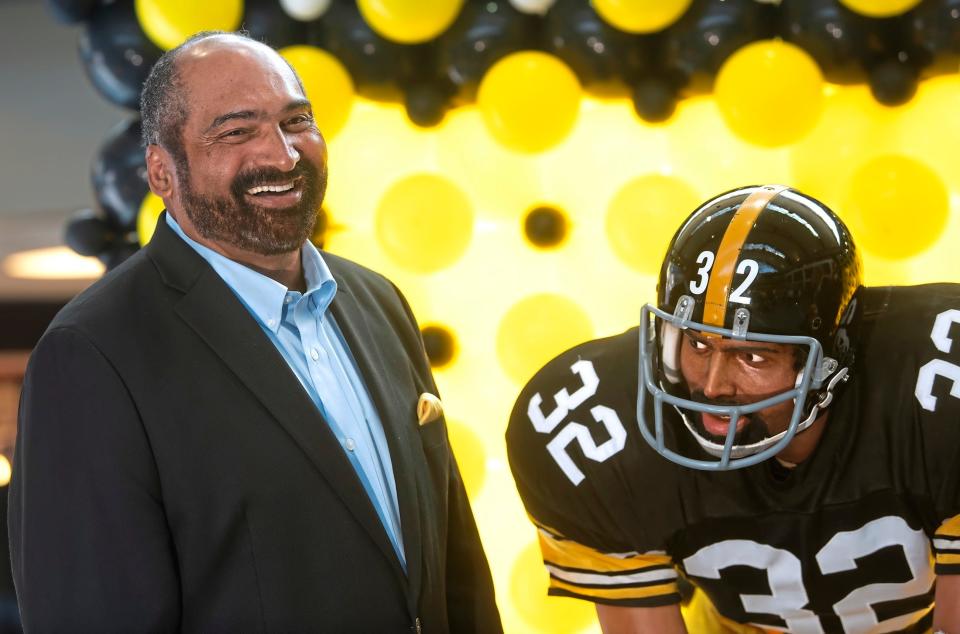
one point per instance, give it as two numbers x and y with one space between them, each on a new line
946 544
663 575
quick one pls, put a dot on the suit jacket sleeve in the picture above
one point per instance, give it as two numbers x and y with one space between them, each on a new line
89 543
471 604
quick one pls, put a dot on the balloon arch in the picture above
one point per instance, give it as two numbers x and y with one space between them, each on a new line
518 167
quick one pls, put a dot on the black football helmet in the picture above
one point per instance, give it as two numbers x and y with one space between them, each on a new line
759 263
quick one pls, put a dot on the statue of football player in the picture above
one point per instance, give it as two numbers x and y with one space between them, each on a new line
774 435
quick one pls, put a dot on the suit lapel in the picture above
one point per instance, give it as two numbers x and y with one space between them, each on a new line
210 308
395 409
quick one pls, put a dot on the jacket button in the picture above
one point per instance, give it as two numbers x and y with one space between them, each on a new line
416 626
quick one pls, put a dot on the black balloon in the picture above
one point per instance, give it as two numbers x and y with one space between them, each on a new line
119 175
118 251
545 227
654 98
484 32
832 34
703 38
836 37
893 82
604 58
934 32
71 11
88 233
439 344
116 53
427 101
266 21
376 65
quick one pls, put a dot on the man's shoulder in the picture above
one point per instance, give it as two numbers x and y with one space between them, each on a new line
900 329
111 300
576 455
907 366
902 316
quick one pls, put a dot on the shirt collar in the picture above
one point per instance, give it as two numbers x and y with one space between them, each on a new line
264 297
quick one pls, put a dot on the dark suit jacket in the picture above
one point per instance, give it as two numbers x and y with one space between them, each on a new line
172 474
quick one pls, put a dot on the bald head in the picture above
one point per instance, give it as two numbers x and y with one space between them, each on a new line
165 98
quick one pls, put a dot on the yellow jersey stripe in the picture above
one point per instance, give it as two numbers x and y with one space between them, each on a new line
947 559
950 528
728 253
570 554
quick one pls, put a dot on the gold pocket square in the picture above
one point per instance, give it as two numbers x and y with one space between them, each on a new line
429 408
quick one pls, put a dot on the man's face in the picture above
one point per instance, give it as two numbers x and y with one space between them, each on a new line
722 371
253 173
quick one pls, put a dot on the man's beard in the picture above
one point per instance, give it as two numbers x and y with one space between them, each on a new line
753 431
233 220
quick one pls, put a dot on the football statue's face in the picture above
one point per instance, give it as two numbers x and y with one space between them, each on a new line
721 371
750 300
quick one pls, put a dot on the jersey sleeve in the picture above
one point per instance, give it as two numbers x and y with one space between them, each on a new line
578 466
913 359
946 547
936 392
627 578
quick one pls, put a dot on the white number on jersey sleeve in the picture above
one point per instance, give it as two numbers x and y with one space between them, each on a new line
940 335
566 402
574 431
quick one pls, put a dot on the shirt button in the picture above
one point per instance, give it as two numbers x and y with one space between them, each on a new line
272 322
287 299
314 354
349 444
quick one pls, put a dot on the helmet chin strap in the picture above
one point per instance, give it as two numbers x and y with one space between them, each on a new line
739 451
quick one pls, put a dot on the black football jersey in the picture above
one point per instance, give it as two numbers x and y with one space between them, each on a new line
851 540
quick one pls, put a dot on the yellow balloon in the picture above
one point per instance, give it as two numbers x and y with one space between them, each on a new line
529 100
930 127
327 83
770 93
471 460
644 215
409 21
641 16
853 129
896 206
424 222
150 210
528 594
169 22
880 8
535 330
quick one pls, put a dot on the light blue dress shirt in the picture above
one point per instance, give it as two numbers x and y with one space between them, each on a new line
305 333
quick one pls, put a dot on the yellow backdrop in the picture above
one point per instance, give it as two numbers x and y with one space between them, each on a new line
441 212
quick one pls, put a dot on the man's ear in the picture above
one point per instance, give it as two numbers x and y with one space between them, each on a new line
160 171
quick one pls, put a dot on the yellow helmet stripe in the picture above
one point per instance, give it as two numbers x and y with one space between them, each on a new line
728 254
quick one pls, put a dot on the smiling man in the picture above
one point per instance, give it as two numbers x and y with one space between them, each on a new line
232 431
776 444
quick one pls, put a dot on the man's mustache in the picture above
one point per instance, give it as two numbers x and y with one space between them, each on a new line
304 169
753 431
